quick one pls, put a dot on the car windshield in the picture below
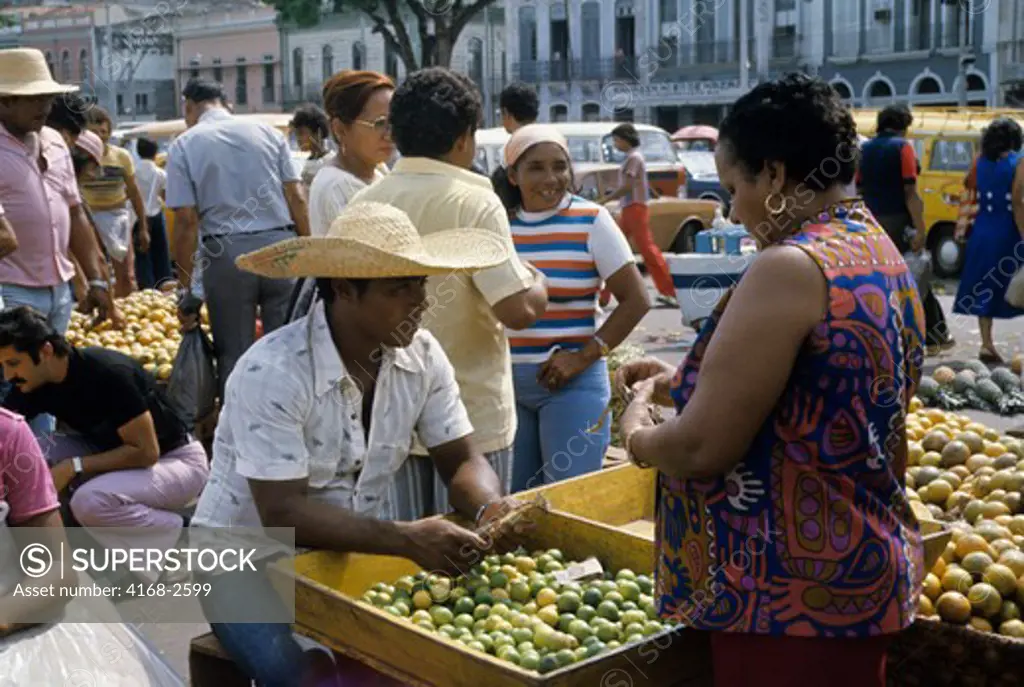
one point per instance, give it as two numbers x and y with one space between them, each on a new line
656 146
584 149
698 164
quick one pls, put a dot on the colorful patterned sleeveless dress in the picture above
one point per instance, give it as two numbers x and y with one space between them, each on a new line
811 534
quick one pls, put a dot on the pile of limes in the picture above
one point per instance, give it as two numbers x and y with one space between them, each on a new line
513 607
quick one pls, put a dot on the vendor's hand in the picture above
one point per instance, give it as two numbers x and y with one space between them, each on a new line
144 239
627 376
561 368
505 537
439 545
116 316
638 413
97 300
62 474
188 312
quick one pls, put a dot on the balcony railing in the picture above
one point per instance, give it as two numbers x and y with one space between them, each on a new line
606 69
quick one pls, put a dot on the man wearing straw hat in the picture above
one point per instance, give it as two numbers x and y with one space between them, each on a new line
41 202
319 415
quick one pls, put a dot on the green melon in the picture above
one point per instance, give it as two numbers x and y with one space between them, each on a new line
928 389
964 381
989 391
1006 379
979 368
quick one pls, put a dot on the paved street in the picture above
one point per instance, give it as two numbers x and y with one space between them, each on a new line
662 334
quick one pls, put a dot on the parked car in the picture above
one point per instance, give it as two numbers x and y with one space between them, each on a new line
674 221
702 178
591 142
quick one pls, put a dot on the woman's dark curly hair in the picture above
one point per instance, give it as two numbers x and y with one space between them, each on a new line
798 121
431 110
1003 135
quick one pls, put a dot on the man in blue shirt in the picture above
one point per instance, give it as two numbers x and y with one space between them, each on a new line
887 179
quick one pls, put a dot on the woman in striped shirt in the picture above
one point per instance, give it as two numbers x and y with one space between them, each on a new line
561 376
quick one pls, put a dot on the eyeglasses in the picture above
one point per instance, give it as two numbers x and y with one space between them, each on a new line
380 125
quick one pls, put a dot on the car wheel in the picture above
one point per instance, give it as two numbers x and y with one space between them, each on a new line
947 254
686 239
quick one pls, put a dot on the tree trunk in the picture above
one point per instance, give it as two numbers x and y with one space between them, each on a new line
443 54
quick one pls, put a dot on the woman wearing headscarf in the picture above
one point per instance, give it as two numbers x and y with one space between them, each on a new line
558 364
783 528
993 253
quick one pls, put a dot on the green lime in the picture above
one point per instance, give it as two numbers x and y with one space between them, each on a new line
549 614
509 653
556 554
441 615
530 660
615 598
421 600
516 606
420 616
508 558
522 634
405 584
595 648
607 587
569 602
633 629
525 647
625 574
592 597
633 639
499 580
379 587
403 608
464 620
458 593
494 561
477 645
586 613
565 620
520 591
547 664
580 654
393 611
565 657
597 621
634 617
652 627
461 632
607 633
651 610
483 596
629 590
553 566
645 584
629 606
429 627
501 611
592 639
608 609
464 605
481 611
530 608
500 596
536 585
480 625
384 598
580 630
525 564
543 560
502 639
614 644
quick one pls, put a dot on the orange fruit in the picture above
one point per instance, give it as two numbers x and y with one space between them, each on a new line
953 607
985 600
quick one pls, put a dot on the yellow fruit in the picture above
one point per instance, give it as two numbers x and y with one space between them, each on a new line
973 440
1012 628
932 586
955 453
994 509
970 543
937 492
931 459
925 606
939 569
993 449
914 453
1009 611
164 372
1001 578
976 562
935 440
421 600
978 461
546 597
957 580
953 607
985 600
980 624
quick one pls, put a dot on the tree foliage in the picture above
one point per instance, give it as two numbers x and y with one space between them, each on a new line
427 40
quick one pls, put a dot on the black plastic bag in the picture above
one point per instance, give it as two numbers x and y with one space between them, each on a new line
192 387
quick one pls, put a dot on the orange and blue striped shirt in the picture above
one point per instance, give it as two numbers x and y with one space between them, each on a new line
577 247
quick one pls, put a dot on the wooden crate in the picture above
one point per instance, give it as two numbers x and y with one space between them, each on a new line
328 585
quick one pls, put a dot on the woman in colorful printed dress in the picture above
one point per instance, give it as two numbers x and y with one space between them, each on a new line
783 528
558 364
994 250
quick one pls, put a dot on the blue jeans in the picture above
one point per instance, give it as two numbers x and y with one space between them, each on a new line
266 652
553 441
56 303
154 266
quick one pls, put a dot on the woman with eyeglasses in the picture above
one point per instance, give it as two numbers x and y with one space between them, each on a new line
357 104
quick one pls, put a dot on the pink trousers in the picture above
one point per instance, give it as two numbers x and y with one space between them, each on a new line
142 498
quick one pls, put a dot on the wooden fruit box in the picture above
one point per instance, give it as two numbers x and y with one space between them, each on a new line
328 586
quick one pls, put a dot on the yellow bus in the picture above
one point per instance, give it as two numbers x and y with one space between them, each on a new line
946 141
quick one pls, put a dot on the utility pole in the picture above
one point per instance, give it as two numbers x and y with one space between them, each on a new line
487 68
744 47
110 63
965 9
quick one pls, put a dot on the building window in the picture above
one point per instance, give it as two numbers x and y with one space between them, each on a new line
527 34
120 104
193 74
241 86
141 103
559 113
590 18
668 10
358 55
218 74
928 85
843 90
475 68
591 112
65 67
880 89
327 61
845 28
49 64
83 65
268 84
297 66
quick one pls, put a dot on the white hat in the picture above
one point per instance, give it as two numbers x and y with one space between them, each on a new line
23 71
377 241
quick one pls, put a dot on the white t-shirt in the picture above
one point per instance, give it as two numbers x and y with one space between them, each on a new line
330 192
152 181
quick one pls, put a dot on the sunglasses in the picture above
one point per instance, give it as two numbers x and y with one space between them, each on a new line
380 125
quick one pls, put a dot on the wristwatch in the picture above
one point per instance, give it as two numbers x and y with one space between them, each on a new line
77 463
99 284
480 512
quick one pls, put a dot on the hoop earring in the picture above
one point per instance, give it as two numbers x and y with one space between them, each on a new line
783 205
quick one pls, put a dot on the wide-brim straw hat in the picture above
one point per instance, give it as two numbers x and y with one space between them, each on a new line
377 241
23 72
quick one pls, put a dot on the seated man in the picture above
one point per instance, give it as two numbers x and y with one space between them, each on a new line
133 457
319 415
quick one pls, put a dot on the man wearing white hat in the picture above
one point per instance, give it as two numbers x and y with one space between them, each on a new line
320 414
40 197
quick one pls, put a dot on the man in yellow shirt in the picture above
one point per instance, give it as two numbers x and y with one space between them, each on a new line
434 116
107 196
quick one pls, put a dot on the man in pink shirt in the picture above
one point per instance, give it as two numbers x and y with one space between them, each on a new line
41 203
